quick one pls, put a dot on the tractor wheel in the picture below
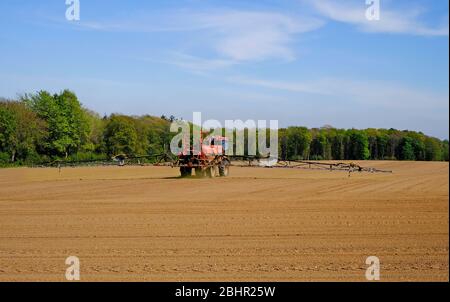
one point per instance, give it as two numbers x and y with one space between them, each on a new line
224 170
211 172
199 172
185 172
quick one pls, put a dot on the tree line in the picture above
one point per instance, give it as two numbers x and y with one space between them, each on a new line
43 127
375 144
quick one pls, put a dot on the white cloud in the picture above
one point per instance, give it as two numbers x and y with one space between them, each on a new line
232 35
405 21
248 36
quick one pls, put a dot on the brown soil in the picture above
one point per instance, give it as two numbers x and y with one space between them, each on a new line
145 223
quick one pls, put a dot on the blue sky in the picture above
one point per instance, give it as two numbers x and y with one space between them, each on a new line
303 62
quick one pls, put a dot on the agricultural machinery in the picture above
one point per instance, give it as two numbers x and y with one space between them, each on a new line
210 161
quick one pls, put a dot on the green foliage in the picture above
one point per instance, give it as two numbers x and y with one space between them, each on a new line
42 127
298 142
283 144
87 156
435 150
444 148
382 140
4 159
338 144
8 125
68 127
407 149
20 131
120 135
357 145
317 147
96 126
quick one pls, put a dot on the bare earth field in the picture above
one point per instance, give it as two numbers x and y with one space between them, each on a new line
146 224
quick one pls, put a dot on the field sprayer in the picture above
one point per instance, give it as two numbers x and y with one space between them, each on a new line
210 161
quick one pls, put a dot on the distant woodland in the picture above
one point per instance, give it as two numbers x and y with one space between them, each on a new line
43 127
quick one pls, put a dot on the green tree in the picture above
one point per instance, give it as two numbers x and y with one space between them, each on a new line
96 126
357 145
67 123
338 145
21 131
372 136
394 140
43 126
433 149
407 149
418 144
158 135
445 149
8 125
299 140
382 145
320 146
120 135
283 144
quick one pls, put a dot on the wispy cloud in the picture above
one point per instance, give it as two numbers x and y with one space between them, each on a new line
195 64
249 36
232 35
146 23
280 85
404 21
375 93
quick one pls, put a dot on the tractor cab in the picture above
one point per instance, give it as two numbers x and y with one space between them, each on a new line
211 161
215 145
